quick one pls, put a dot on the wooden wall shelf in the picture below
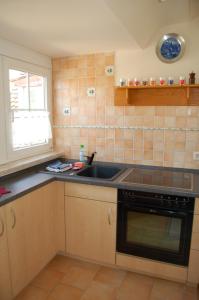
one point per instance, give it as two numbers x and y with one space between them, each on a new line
175 95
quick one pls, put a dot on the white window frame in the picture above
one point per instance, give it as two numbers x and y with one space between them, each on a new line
9 63
3 156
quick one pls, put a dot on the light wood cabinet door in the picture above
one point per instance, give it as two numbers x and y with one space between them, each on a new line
59 211
40 235
193 269
5 280
16 231
91 229
31 234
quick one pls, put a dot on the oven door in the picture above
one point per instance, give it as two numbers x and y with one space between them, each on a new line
154 233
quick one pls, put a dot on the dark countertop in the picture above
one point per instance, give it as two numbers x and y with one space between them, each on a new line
26 181
23 184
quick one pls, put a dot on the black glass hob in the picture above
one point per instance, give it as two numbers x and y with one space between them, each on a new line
161 178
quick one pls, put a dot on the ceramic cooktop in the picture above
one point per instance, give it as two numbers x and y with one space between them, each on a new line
161 178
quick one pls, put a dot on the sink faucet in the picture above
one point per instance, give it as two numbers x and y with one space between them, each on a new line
90 158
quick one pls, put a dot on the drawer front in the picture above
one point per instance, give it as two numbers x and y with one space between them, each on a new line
88 191
150 267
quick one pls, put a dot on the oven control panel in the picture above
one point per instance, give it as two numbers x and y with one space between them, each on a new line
156 200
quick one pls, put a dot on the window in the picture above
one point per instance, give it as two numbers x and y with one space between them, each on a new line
28 109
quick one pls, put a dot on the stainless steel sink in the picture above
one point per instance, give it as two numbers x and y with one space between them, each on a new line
101 172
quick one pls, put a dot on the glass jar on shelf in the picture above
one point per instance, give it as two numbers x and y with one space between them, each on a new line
152 81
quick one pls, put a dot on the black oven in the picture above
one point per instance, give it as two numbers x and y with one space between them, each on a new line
155 226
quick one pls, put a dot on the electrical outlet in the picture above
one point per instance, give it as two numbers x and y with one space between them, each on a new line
196 155
66 111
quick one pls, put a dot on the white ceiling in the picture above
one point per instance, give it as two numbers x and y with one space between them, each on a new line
69 27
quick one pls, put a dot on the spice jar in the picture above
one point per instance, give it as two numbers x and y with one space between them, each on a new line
192 78
136 82
122 82
145 81
130 82
170 81
152 81
182 80
162 81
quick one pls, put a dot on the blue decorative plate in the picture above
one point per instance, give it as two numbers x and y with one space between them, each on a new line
170 48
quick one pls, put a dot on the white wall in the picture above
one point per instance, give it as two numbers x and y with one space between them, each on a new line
144 62
15 51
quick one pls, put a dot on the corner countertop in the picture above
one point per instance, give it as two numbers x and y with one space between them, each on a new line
25 181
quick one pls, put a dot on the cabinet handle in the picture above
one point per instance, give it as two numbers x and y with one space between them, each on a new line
2 227
109 216
14 217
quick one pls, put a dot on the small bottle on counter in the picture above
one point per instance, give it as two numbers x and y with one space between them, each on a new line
81 154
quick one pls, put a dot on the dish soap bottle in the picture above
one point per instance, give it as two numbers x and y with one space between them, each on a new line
81 153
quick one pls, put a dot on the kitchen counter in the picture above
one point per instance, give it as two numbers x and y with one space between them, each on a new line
26 181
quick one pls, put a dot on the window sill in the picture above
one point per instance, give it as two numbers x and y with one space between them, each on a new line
22 164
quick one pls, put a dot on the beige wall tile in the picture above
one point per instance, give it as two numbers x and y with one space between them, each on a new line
71 78
181 122
148 155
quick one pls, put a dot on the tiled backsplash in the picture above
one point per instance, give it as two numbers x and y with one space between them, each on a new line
164 136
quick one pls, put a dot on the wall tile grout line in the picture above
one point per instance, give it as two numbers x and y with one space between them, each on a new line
125 127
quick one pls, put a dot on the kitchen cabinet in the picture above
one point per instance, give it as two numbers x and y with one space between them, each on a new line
5 280
59 224
152 267
157 95
91 223
193 268
16 230
32 241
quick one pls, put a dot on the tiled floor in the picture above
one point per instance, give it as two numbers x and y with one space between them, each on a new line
68 279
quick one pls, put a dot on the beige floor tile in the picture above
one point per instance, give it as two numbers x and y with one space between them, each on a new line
79 276
167 290
99 291
47 279
83 264
59 263
135 287
110 276
32 293
64 292
63 263
70 279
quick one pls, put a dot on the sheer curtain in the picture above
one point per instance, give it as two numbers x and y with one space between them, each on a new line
30 128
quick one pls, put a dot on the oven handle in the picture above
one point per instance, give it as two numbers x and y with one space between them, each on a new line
154 210
170 212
